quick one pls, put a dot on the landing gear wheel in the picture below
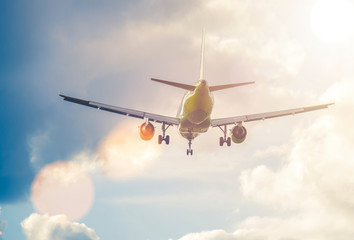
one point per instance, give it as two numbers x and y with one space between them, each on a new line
164 137
190 151
224 139
221 142
228 141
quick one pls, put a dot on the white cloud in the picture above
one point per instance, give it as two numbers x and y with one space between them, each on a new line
313 191
210 235
43 227
120 155
37 144
241 234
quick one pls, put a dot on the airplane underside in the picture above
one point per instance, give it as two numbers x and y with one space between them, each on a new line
196 116
190 130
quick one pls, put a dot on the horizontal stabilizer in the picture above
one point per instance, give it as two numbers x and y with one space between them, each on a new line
220 87
179 85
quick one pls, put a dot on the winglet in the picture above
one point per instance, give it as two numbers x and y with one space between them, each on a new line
201 74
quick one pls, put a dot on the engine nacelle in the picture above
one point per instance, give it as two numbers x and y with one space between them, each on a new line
147 131
238 134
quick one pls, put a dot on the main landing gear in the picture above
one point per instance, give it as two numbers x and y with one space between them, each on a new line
164 137
190 150
224 139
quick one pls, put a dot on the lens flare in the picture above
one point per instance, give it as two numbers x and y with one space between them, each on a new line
124 155
62 188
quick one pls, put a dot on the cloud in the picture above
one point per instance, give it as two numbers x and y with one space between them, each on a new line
43 227
313 189
123 155
242 234
120 155
210 235
309 195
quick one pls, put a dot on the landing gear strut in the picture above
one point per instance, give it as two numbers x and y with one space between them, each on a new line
224 139
190 150
164 137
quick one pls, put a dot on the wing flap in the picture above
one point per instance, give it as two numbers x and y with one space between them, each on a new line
267 115
124 111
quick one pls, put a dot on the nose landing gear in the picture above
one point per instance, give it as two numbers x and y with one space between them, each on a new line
190 150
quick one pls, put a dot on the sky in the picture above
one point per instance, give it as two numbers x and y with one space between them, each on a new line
70 172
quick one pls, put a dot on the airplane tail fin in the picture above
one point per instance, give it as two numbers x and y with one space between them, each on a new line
221 87
201 74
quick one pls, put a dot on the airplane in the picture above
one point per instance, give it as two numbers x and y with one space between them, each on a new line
194 114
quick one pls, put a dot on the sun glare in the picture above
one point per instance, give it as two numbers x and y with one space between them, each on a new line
123 155
333 20
62 188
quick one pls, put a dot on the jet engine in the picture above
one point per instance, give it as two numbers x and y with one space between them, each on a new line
147 131
238 134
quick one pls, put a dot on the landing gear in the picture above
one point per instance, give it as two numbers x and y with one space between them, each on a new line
190 150
164 137
224 139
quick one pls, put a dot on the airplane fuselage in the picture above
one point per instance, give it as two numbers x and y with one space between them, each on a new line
195 110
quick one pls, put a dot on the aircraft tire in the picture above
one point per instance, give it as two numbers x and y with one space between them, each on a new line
228 141
221 142
167 139
160 139
189 151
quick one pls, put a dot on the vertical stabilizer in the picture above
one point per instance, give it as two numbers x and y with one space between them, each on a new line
201 75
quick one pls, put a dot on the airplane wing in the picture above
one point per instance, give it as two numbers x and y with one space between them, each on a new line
124 111
262 116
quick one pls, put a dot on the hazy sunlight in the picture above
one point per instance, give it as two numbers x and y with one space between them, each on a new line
332 20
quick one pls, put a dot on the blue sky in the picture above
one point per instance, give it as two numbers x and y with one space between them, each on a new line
291 178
